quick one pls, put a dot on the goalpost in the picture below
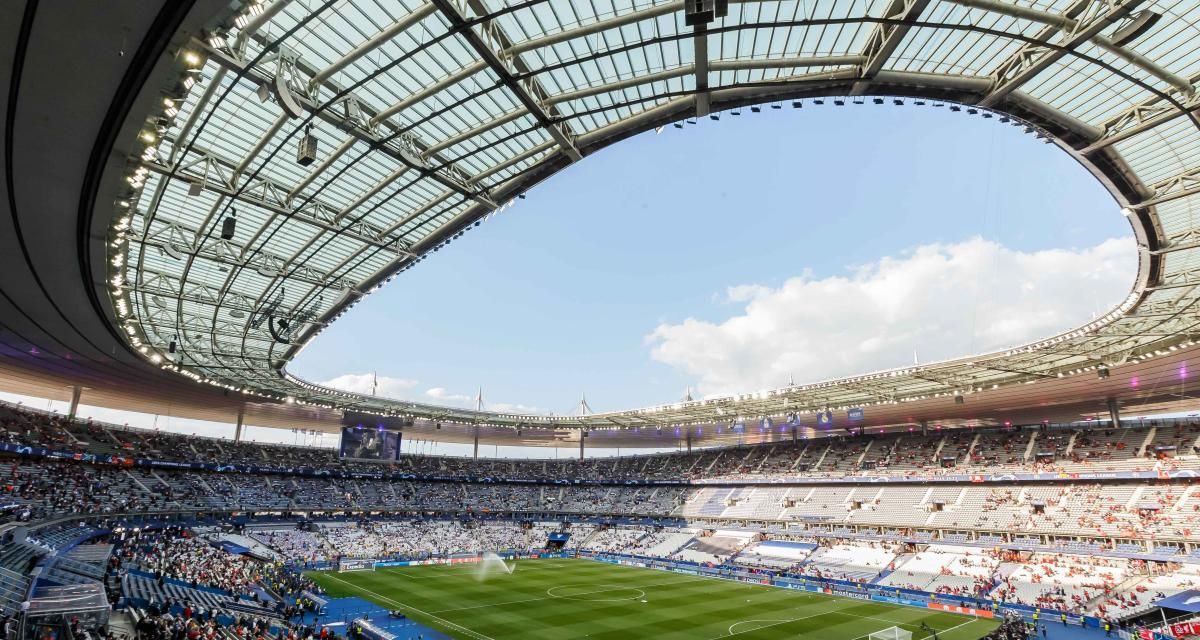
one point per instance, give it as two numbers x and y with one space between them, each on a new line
346 565
891 633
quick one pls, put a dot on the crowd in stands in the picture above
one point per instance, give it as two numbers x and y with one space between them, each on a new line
1161 513
36 490
175 553
165 622
1153 446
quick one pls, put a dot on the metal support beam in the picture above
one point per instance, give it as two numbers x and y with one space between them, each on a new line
529 92
76 392
1032 59
241 417
884 40
475 131
1141 118
211 182
321 168
376 41
1114 411
700 56
716 65
595 27
1178 186
475 452
257 23
259 146
582 439
199 109
448 175
418 212
441 85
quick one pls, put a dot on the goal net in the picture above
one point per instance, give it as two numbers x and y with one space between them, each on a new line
355 565
891 633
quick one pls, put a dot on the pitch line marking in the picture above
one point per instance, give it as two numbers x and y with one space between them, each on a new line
734 625
731 633
453 570
952 628
836 612
469 632
576 596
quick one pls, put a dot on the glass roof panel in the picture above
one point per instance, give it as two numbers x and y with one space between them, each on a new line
453 130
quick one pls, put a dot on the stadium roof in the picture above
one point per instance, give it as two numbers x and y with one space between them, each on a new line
430 116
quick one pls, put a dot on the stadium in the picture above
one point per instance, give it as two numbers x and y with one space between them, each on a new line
196 190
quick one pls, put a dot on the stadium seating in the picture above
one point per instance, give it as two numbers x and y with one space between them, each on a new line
1069 449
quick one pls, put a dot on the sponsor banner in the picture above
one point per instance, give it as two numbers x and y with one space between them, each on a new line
857 595
953 608
855 414
897 600
1186 629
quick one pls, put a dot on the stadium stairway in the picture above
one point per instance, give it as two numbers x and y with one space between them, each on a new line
140 589
340 612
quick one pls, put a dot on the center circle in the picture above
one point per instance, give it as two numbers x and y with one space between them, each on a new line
595 592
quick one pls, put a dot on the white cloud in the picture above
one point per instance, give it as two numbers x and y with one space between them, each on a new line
941 300
509 407
397 388
442 395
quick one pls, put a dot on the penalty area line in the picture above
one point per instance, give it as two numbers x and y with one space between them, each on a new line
957 626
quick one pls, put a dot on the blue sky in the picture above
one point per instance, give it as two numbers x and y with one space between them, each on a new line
729 255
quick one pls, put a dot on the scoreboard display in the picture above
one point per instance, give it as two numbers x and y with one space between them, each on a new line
367 438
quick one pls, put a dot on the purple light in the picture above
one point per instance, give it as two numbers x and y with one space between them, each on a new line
1183 370
1133 382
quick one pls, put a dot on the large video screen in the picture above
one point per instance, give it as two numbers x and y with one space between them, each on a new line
370 442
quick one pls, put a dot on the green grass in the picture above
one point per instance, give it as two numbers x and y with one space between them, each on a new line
559 599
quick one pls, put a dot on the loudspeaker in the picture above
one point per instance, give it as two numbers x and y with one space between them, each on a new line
228 227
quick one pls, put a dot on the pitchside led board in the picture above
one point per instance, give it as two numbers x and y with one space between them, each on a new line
366 437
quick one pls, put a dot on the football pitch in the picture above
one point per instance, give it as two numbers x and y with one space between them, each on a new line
558 599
